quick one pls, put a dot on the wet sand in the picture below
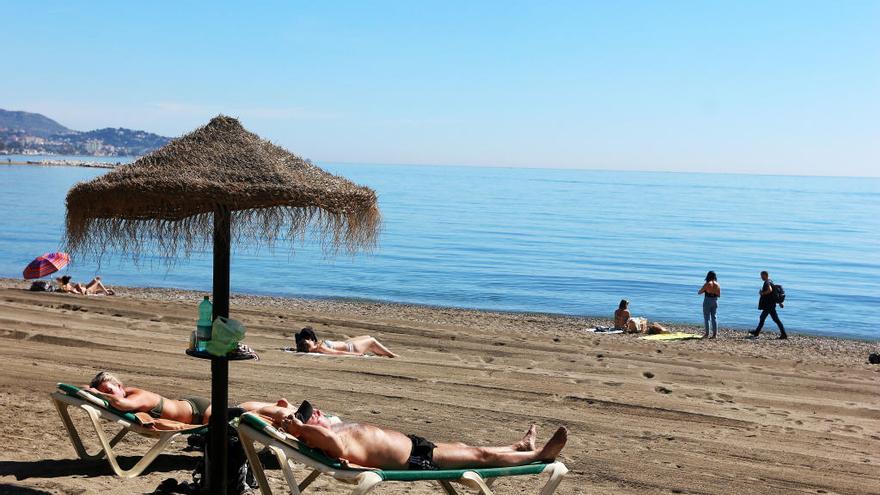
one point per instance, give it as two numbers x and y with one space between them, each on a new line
710 417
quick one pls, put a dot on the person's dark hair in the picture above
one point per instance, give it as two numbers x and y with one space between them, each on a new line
307 333
623 304
65 279
710 277
764 273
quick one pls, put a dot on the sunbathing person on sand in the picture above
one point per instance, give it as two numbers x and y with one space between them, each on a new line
307 341
190 410
365 445
93 287
623 320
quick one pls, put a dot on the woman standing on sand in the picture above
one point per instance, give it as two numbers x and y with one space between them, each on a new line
711 292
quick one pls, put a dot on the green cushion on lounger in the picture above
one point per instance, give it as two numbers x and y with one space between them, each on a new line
454 474
74 391
404 474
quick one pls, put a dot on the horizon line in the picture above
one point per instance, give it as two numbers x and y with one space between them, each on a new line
641 171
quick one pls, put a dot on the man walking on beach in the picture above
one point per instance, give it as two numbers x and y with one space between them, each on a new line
767 305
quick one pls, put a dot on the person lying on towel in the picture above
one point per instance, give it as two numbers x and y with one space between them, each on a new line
190 410
307 341
365 445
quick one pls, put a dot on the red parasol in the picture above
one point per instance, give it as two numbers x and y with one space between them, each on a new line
45 265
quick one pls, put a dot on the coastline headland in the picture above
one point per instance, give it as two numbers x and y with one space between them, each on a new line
59 163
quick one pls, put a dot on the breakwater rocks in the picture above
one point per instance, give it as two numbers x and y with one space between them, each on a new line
62 163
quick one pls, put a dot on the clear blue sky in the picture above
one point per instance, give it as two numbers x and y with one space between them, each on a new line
789 87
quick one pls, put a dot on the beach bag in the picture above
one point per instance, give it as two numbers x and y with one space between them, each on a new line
239 476
226 333
778 294
42 286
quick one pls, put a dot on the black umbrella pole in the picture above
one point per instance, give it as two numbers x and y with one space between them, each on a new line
220 366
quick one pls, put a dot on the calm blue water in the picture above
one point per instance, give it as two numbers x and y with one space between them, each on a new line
558 241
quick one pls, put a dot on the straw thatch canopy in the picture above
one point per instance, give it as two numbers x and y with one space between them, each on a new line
169 198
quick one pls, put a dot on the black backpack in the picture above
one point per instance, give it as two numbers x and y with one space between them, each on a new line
778 294
239 477
42 286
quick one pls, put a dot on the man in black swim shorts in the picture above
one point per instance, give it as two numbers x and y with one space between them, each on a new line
365 445
421 457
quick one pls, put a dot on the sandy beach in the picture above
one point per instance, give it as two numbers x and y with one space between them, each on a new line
729 416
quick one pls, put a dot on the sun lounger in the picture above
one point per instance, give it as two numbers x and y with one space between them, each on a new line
97 409
287 449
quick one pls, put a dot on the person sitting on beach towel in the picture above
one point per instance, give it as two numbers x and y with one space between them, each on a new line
307 341
190 410
366 445
623 320
622 315
95 286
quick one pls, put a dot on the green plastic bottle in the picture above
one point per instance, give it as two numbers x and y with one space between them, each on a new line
203 326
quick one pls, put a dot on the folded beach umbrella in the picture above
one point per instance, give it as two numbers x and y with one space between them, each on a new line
217 184
46 264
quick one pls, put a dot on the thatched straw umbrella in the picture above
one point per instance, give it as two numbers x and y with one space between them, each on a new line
218 183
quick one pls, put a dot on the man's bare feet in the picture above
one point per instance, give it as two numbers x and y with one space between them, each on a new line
527 444
554 446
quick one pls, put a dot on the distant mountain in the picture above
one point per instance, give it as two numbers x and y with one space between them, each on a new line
32 133
33 123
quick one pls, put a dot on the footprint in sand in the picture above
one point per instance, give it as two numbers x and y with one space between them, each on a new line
662 390
648 374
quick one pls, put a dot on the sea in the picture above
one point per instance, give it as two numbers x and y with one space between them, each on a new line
560 241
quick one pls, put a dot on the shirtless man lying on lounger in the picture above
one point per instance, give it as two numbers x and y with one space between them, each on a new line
190 410
365 445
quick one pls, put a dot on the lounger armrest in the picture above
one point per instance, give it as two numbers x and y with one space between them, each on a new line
79 393
92 398
260 424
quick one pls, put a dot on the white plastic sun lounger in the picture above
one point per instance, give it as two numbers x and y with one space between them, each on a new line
252 429
97 409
